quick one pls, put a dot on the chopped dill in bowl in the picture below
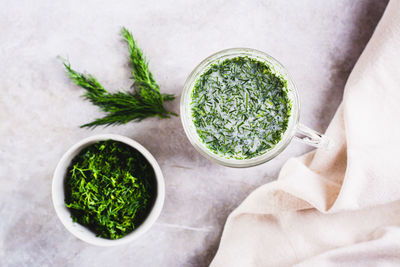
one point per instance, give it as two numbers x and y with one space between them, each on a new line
240 108
110 188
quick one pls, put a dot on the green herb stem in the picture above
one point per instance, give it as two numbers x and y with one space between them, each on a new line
145 101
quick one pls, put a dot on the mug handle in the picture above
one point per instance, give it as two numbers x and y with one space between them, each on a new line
313 138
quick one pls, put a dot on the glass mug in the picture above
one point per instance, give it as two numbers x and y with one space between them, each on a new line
310 136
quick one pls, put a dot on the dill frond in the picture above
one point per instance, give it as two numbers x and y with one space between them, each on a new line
145 101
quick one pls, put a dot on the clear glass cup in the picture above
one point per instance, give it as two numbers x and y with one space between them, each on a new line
307 135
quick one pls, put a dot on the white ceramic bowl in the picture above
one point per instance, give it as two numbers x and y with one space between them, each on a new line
84 233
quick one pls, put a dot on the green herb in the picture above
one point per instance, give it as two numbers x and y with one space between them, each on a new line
145 101
240 108
110 188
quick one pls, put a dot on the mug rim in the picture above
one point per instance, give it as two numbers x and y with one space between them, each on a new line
187 123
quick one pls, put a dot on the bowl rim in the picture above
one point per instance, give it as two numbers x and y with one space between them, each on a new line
79 230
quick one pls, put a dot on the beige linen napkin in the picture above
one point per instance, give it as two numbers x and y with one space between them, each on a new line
337 207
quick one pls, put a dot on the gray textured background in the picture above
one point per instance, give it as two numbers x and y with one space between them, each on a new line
318 41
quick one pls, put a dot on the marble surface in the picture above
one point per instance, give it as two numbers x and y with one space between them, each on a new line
40 110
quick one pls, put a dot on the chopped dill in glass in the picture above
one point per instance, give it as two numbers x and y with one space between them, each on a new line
240 108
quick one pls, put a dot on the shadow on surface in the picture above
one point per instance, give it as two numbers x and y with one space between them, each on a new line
368 16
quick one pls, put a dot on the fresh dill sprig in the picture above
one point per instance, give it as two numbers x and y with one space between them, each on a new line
145 101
